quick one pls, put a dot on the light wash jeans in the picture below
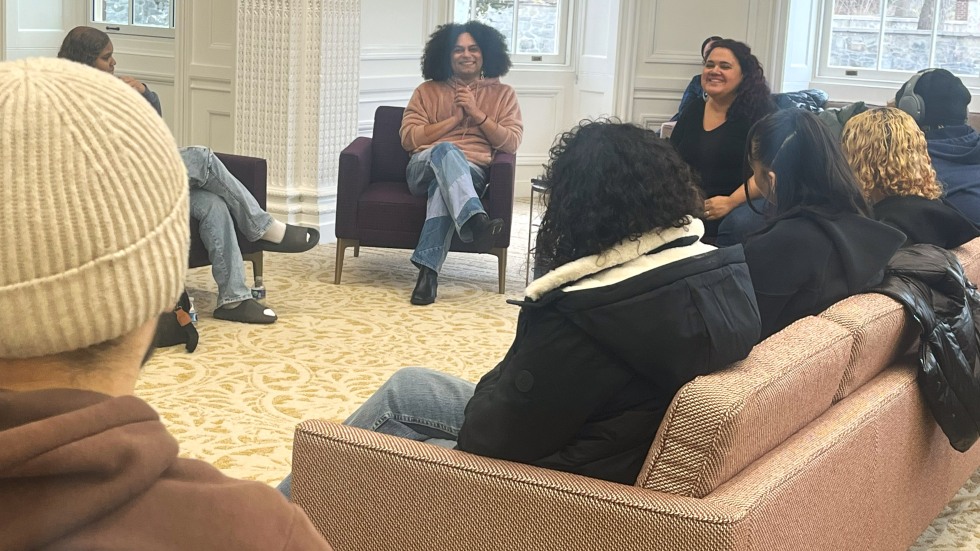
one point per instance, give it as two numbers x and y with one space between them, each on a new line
219 202
453 186
740 223
415 403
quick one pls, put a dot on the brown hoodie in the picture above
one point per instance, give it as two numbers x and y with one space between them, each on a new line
82 470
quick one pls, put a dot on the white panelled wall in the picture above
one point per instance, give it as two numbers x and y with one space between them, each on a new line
627 58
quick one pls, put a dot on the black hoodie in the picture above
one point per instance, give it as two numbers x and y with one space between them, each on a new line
802 264
927 221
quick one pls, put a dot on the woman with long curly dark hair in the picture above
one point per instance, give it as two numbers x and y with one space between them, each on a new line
636 307
454 123
710 136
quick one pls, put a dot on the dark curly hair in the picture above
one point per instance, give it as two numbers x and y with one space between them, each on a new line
438 54
83 45
811 171
753 99
609 181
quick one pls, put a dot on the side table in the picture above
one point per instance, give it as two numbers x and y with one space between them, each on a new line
538 188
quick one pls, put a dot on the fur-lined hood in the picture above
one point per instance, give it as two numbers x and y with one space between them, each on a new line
627 259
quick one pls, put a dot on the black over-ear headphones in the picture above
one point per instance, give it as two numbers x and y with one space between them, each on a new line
910 102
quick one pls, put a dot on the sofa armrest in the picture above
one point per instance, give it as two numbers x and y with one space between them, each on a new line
500 192
365 490
353 177
252 172
719 423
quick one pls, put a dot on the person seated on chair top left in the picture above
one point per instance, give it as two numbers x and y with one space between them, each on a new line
219 202
452 126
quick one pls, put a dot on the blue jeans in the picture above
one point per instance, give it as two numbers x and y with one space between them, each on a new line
453 186
219 201
415 403
740 223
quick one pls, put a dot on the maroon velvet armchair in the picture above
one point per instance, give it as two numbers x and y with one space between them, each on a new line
375 208
252 172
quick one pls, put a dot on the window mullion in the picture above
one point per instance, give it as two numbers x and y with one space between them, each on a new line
882 27
513 26
936 14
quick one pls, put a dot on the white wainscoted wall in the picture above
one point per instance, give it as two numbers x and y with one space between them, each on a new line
33 28
628 58
206 54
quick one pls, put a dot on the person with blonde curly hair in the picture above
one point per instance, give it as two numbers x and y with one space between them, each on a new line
887 151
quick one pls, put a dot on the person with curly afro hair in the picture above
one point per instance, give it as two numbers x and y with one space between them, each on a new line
635 307
888 153
710 136
454 123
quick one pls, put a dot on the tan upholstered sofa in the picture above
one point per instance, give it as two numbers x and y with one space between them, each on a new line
818 440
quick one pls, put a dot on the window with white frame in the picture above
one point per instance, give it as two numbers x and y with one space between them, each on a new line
535 30
138 17
888 39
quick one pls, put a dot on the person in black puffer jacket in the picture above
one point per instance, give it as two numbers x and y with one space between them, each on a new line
635 307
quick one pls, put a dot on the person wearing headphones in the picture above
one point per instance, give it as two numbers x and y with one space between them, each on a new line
939 102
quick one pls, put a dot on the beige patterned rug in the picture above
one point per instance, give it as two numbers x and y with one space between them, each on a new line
235 401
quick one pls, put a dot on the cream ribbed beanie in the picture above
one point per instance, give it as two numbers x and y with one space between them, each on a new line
93 209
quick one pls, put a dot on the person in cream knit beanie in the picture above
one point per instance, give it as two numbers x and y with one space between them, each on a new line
93 209
94 228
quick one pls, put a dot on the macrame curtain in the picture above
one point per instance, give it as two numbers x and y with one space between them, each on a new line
297 97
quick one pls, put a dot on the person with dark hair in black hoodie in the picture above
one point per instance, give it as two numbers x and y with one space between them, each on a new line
821 245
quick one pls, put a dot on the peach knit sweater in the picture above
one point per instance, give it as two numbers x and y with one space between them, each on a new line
433 102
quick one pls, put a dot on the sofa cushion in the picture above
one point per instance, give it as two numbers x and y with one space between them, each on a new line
719 423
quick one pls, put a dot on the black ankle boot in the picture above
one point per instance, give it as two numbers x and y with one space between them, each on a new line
425 287
483 229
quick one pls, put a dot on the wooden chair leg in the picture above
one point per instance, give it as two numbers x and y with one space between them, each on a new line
501 254
357 249
342 245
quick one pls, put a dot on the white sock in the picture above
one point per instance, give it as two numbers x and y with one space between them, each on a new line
275 233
